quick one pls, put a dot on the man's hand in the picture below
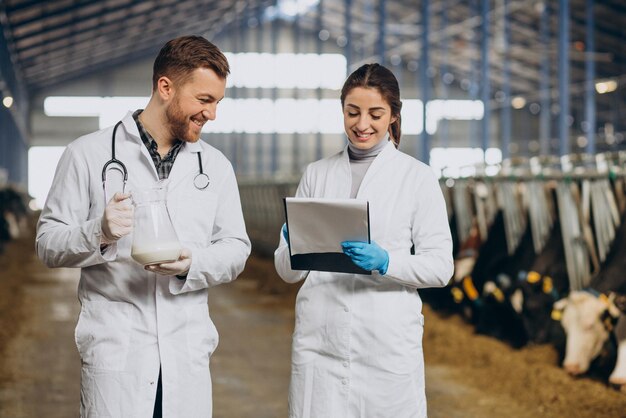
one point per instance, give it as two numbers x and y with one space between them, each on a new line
117 220
179 267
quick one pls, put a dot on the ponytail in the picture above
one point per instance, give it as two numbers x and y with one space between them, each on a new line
395 131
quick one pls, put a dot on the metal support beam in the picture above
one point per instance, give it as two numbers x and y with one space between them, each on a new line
506 87
347 51
5 122
424 79
590 75
13 149
243 138
484 69
232 139
382 33
274 142
544 87
320 48
14 120
563 76
259 137
474 140
296 152
444 124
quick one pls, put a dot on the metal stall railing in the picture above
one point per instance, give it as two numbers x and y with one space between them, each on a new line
486 205
463 210
510 198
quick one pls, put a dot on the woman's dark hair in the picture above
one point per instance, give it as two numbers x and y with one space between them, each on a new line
181 56
375 76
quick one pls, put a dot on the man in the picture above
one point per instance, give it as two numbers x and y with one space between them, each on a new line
144 333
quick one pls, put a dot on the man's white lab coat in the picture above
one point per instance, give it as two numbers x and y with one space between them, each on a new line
133 321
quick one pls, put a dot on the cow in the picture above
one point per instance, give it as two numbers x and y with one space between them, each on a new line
537 290
464 258
470 271
594 313
497 317
521 296
588 318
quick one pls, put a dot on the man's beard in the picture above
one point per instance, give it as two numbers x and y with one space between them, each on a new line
178 123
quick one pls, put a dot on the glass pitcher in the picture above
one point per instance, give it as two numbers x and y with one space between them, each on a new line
154 238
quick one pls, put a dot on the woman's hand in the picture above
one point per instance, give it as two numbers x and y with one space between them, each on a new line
367 256
285 232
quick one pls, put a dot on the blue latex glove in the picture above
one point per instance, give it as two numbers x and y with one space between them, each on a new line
367 256
285 232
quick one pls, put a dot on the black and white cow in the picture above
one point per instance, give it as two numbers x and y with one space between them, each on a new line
492 263
497 317
589 319
523 294
594 325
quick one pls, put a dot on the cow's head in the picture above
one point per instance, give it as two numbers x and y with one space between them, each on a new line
587 319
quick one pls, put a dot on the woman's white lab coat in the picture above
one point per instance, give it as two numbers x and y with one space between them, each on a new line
132 321
357 345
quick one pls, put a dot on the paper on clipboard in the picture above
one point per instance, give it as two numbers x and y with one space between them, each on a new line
317 226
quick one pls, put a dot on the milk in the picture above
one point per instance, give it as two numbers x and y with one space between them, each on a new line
162 252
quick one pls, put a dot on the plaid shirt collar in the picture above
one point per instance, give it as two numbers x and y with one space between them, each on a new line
163 165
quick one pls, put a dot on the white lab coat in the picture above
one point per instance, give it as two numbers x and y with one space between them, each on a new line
357 345
131 320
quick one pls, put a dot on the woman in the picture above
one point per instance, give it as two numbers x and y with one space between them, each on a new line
357 345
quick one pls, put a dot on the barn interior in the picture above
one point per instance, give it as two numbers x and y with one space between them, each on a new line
518 107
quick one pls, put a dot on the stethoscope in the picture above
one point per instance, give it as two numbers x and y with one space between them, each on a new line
200 181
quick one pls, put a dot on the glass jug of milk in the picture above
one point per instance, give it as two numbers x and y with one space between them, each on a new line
154 238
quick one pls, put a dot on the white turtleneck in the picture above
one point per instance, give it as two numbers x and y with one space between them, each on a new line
360 161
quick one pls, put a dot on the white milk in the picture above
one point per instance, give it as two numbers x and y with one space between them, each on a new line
163 252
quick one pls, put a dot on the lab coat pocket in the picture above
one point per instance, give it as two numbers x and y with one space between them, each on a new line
107 394
313 392
397 396
202 337
194 216
103 334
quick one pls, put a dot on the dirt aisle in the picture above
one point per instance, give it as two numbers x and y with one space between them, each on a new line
467 375
39 367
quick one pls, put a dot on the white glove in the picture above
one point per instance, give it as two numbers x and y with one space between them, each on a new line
117 219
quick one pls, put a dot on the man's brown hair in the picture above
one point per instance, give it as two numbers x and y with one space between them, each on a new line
179 57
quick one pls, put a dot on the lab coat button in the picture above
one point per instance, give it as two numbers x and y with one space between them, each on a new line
346 309
345 364
344 382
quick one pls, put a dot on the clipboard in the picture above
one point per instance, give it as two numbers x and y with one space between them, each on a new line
317 226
